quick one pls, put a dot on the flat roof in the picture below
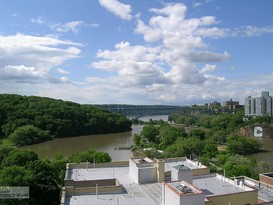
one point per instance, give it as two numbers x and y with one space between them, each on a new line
264 191
187 163
135 194
214 184
148 194
120 173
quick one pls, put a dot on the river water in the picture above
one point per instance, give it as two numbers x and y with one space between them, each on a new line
109 143
103 142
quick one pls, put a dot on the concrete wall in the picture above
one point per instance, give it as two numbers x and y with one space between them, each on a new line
133 170
266 179
94 165
178 159
194 199
143 172
202 171
170 197
160 170
173 197
185 175
91 183
92 190
241 198
147 175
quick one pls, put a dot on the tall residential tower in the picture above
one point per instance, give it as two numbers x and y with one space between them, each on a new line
259 106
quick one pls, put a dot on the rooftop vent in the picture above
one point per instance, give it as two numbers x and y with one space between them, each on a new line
184 189
181 167
141 161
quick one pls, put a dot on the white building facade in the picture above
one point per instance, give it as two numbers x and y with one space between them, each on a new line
259 106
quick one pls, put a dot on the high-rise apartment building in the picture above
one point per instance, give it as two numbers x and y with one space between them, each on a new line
259 106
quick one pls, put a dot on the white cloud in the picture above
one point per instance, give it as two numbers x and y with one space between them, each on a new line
62 80
169 65
66 27
208 68
136 65
72 26
257 31
38 20
197 4
119 9
25 56
62 71
21 72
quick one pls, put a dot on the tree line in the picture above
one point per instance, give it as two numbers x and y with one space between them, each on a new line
31 119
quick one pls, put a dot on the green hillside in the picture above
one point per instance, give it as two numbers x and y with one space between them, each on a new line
29 120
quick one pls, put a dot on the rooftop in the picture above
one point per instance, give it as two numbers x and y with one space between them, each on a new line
124 190
170 163
215 184
148 194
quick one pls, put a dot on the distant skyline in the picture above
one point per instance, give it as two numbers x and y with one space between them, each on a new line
137 52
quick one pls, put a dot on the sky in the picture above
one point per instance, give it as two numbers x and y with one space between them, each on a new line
148 52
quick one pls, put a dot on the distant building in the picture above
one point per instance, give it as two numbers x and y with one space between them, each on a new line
259 106
214 104
232 105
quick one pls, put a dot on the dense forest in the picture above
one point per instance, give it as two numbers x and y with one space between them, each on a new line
30 119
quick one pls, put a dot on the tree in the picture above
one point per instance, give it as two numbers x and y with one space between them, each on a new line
242 145
44 182
19 158
136 139
29 134
198 133
238 165
55 117
210 149
150 132
90 156
168 135
185 147
15 176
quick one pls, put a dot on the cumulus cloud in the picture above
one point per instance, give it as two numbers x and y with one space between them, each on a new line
31 57
169 66
136 64
119 9
22 72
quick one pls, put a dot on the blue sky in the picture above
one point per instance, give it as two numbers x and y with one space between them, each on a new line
137 51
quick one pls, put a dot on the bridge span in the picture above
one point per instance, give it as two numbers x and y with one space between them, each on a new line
143 110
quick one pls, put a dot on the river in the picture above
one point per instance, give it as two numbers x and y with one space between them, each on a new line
103 142
108 143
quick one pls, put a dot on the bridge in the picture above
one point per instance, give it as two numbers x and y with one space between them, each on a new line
144 110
